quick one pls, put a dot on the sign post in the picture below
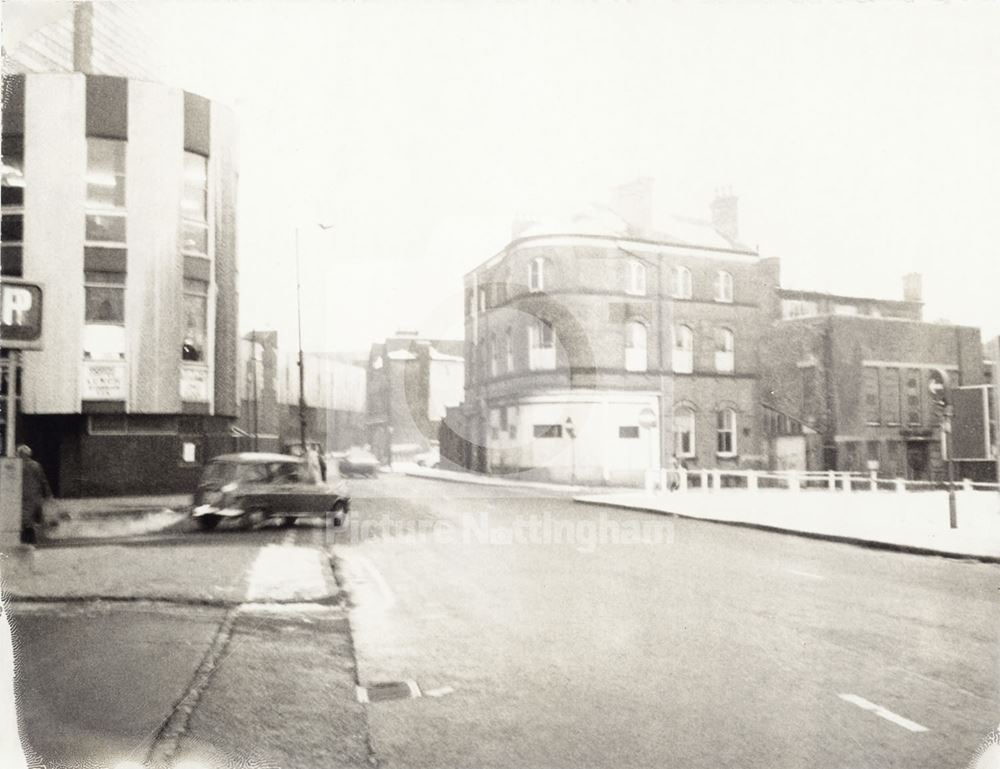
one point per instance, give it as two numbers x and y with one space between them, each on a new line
571 434
20 329
647 421
939 394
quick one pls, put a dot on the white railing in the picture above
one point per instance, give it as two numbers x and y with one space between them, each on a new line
798 480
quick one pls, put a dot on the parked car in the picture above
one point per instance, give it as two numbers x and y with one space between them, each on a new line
358 461
429 458
268 485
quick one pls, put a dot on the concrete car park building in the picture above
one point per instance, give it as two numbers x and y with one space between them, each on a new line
269 396
119 199
601 346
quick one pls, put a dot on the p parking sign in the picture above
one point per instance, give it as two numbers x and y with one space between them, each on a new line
20 315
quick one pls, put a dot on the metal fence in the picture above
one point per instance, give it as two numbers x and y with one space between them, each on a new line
794 480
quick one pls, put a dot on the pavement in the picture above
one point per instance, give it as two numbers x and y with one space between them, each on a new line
915 522
183 645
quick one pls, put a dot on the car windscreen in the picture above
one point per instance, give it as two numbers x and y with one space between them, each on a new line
250 472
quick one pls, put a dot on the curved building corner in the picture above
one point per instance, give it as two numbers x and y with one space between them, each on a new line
119 198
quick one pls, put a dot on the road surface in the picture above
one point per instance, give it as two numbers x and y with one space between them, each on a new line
538 632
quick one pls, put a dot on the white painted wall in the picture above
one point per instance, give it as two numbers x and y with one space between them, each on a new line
597 453
154 314
446 387
55 166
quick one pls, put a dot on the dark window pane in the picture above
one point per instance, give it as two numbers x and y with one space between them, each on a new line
95 276
548 431
12 228
11 262
12 196
628 431
195 327
104 259
105 305
192 286
106 228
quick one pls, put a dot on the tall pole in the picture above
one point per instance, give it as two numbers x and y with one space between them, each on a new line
253 353
13 364
302 370
996 406
946 426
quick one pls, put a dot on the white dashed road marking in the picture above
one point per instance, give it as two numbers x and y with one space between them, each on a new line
805 574
439 692
878 710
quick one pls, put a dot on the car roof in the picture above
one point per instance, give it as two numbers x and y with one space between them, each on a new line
255 457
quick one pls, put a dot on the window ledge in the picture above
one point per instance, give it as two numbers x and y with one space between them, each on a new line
726 454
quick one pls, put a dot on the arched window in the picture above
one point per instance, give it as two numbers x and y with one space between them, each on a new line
635 278
723 286
536 274
541 346
635 346
724 350
725 432
680 279
509 347
683 354
684 432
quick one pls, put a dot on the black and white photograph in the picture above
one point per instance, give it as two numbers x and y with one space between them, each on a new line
542 384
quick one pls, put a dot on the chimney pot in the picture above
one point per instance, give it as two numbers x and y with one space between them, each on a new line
913 287
725 215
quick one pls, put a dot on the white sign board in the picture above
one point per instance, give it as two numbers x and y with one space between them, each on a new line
194 384
104 381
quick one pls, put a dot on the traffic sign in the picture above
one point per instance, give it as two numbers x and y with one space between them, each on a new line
936 386
20 315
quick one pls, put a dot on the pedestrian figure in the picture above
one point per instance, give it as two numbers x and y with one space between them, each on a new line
673 474
314 465
34 491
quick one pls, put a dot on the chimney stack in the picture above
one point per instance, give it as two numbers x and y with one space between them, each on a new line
725 215
913 287
83 37
633 202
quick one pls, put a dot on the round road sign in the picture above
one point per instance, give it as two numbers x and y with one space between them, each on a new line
647 418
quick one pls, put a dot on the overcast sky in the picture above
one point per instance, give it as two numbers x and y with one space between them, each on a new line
861 139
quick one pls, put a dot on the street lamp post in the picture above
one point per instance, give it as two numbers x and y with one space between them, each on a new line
302 368
571 432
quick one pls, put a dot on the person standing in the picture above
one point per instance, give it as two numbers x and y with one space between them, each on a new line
34 491
314 465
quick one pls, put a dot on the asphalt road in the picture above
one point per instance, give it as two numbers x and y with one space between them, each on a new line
703 646
539 633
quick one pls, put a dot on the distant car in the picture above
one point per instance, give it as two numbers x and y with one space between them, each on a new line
358 462
268 485
429 458
295 447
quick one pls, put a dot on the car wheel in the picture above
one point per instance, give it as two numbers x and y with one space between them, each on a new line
208 522
337 515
